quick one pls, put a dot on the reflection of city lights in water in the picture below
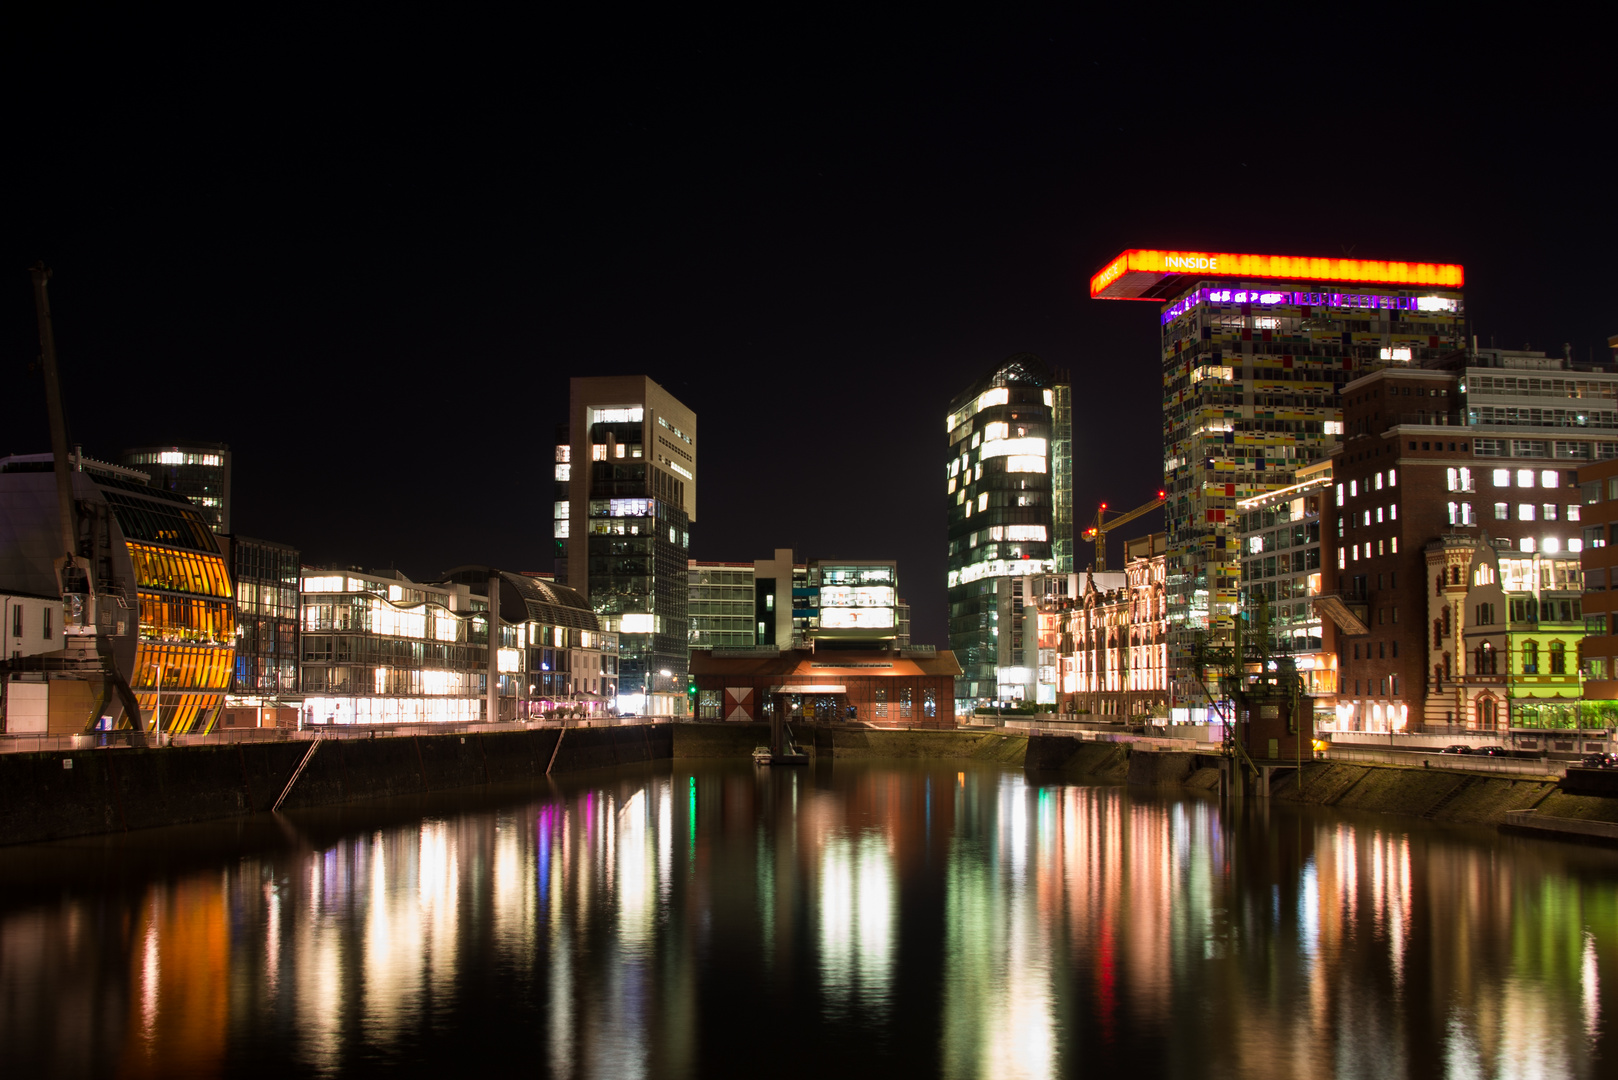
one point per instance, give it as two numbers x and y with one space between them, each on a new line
636 889
856 923
1590 985
998 1007
1071 923
148 983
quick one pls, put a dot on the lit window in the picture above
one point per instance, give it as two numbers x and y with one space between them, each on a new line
1502 478
1342 559
1379 481
1353 488
1454 516
1367 517
1526 544
1575 545
1502 511
1549 511
1394 544
1393 477
564 509
1393 512
1549 478
564 471
983 501
1573 511
1525 477
618 450
1551 545
1525 511
996 430
598 452
1379 515
1339 494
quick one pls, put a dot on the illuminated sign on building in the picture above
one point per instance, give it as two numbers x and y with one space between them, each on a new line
1135 273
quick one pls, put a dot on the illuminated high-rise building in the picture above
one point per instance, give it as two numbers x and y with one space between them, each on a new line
626 476
200 472
1009 480
1255 350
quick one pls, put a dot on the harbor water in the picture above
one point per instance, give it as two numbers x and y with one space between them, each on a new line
842 919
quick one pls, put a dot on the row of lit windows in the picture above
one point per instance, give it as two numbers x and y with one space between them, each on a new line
176 457
179 571
167 665
179 618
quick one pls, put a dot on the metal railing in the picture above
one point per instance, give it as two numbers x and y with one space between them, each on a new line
1460 762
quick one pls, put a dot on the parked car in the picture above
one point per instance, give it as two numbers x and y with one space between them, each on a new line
1600 761
1493 751
1456 748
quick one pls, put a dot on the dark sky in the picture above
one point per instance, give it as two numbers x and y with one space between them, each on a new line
369 254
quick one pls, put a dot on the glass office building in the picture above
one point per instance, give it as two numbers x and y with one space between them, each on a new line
625 504
200 473
1009 480
266 579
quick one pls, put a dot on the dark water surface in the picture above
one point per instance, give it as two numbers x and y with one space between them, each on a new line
835 921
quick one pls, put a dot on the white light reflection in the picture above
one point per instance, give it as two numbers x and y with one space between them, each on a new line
1590 984
998 1005
856 925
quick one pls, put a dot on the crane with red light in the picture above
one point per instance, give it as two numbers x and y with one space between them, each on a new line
1099 530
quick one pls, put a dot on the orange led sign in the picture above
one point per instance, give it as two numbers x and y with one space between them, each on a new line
1135 273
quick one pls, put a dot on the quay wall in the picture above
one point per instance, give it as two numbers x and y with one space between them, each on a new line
1449 795
55 794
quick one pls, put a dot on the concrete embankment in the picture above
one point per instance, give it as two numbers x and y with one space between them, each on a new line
51 795
1434 794
837 741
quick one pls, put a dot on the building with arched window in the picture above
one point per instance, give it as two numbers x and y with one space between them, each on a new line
163 594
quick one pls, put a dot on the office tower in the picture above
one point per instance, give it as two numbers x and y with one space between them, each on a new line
1009 480
1255 350
200 472
1455 528
626 499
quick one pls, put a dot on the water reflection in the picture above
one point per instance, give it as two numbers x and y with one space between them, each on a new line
848 919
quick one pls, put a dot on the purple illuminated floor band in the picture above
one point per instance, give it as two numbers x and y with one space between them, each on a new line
1264 298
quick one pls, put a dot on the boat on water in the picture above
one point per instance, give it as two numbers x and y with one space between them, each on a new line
792 755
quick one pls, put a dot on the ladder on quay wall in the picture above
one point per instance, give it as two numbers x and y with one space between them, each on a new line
302 765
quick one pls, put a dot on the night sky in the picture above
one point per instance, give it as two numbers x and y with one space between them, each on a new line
369 254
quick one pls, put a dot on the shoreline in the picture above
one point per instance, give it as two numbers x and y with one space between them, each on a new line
53 795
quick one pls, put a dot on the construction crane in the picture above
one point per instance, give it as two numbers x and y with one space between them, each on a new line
1098 531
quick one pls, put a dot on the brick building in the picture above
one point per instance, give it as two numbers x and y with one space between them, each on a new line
1599 657
906 688
1437 465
